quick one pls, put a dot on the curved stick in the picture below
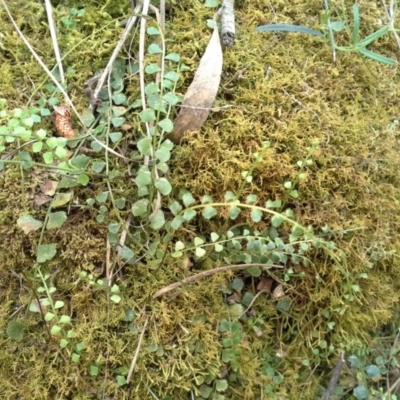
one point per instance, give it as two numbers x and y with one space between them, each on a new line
192 278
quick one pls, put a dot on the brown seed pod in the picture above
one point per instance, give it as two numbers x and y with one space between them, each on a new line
63 122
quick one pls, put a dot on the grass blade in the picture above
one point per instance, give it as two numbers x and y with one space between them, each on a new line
330 30
373 36
289 28
378 57
356 28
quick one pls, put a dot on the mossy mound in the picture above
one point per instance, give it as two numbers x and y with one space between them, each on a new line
281 88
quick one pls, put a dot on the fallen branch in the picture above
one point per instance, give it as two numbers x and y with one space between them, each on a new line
53 34
57 84
131 22
196 277
135 357
335 377
38 59
251 303
228 22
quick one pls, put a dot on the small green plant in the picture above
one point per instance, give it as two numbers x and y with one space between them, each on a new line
125 170
232 337
270 367
103 285
70 21
369 378
357 45
59 324
30 148
17 128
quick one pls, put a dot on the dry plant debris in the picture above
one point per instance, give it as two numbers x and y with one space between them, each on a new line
292 96
202 92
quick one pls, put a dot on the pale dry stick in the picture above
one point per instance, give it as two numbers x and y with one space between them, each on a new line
209 272
108 257
142 35
392 387
335 376
15 151
227 12
122 240
332 39
107 70
308 379
109 280
146 6
301 104
87 89
135 357
38 59
57 84
391 14
252 302
161 57
53 34
215 109
157 12
162 15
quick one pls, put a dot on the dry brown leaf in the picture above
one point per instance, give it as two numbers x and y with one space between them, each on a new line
223 371
201 94
265 284
49 187
126 127
233 298
41 199
278 292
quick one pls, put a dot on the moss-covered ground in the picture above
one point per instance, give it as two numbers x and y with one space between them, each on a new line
281 88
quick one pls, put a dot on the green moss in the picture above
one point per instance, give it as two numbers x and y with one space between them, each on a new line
282 88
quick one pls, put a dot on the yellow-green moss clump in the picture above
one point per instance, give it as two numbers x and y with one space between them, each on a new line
281 88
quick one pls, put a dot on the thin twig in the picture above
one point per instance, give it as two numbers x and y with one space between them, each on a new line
55 81
335 376
107 70
58 85
308 379
15 151
135 357
108 258
141 59
391 14
331 37
252 302
39 304
146 6
121 243
53 34
301 104
227 13
393 387
162 15
391 354
192 278
38 59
